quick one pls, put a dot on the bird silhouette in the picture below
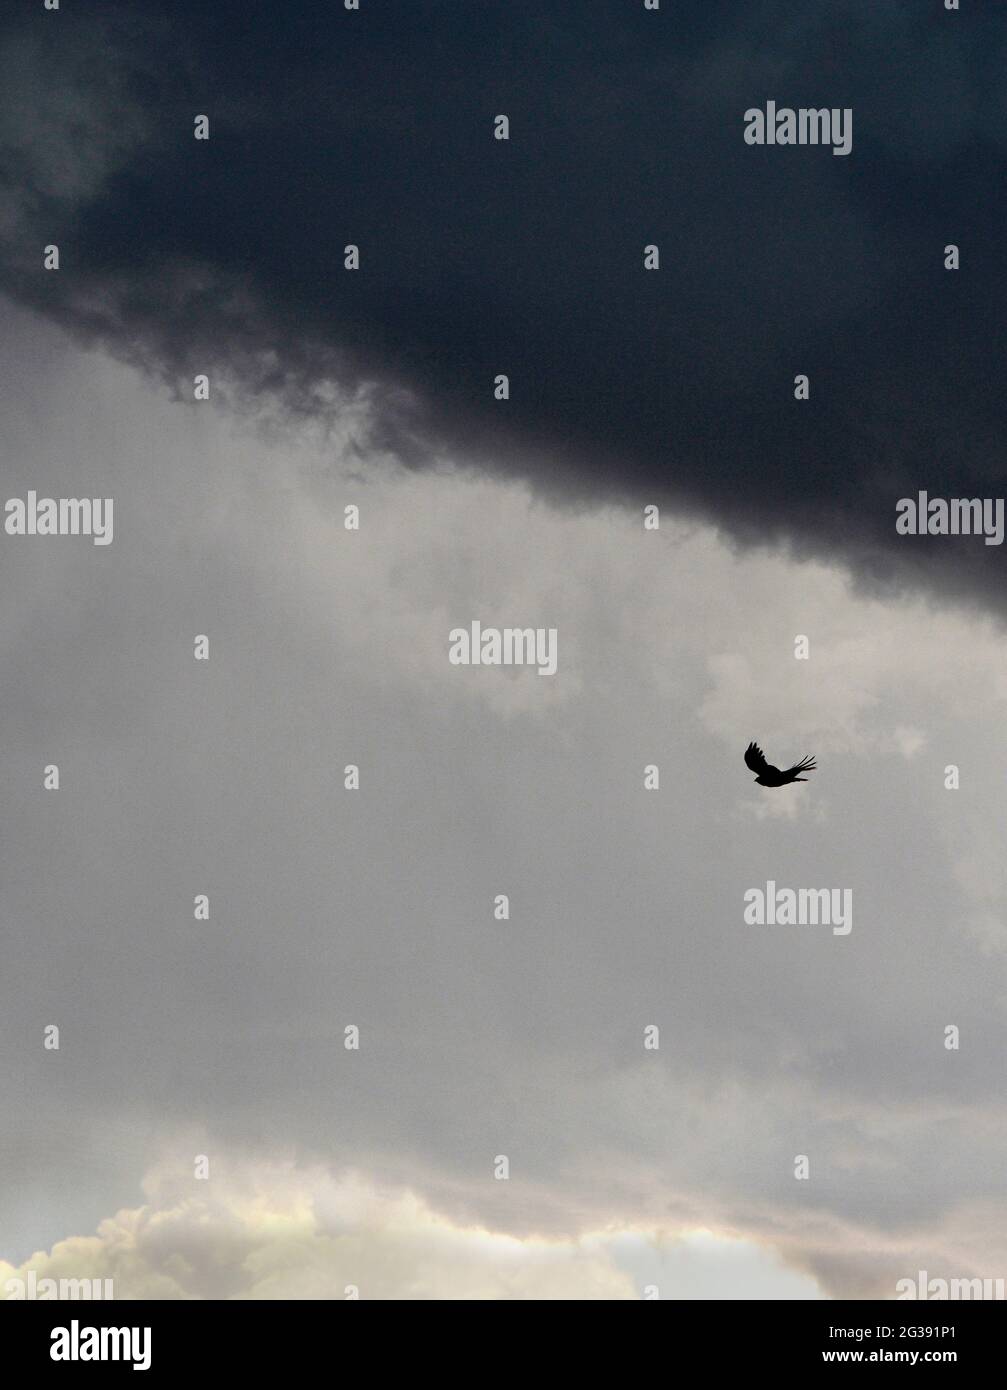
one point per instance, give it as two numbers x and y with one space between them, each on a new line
772 776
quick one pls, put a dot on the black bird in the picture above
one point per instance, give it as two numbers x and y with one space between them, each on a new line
772 776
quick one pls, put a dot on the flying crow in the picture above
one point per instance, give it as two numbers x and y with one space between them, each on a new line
772 776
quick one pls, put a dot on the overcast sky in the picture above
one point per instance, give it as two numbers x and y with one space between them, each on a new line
375 908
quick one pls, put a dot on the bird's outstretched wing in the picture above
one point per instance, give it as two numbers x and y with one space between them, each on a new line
755 758
805 765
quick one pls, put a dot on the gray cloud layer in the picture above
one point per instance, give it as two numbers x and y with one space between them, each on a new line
375 908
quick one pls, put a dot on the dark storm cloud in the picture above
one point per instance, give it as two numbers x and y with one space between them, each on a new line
526 257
